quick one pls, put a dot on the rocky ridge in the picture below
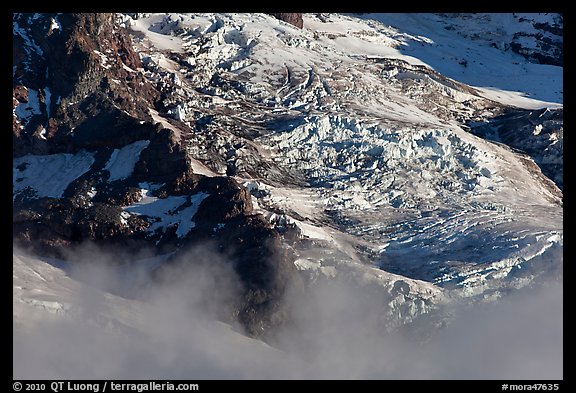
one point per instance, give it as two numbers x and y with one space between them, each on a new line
95 113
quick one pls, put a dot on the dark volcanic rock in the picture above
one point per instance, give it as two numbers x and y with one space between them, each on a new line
227 200
264 268
50 225
290 17
163 160
80 99
100 71
107 127
546 41
538 133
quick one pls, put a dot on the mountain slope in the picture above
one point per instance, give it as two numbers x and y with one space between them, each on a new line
370 131
381 157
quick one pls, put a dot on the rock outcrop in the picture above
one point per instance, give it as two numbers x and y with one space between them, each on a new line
115 176
291 17
538 133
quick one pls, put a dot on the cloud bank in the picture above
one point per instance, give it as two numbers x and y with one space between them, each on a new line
171 331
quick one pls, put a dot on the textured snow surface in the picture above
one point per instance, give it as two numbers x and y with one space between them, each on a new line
361 149
24 111
48 175
476 60
121 162
169 211
355 109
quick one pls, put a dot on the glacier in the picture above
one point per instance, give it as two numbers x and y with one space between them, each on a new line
413 236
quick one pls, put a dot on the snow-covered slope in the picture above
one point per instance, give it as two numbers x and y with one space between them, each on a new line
68 325
370 117
351 140
487 51
362 113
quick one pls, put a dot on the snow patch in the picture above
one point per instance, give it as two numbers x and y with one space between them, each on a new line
49 175
169 211
121 163
54 25
47 99
159 40
103 59
30 44
25 110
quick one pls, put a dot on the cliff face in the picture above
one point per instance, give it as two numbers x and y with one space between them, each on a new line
74 73
94 162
